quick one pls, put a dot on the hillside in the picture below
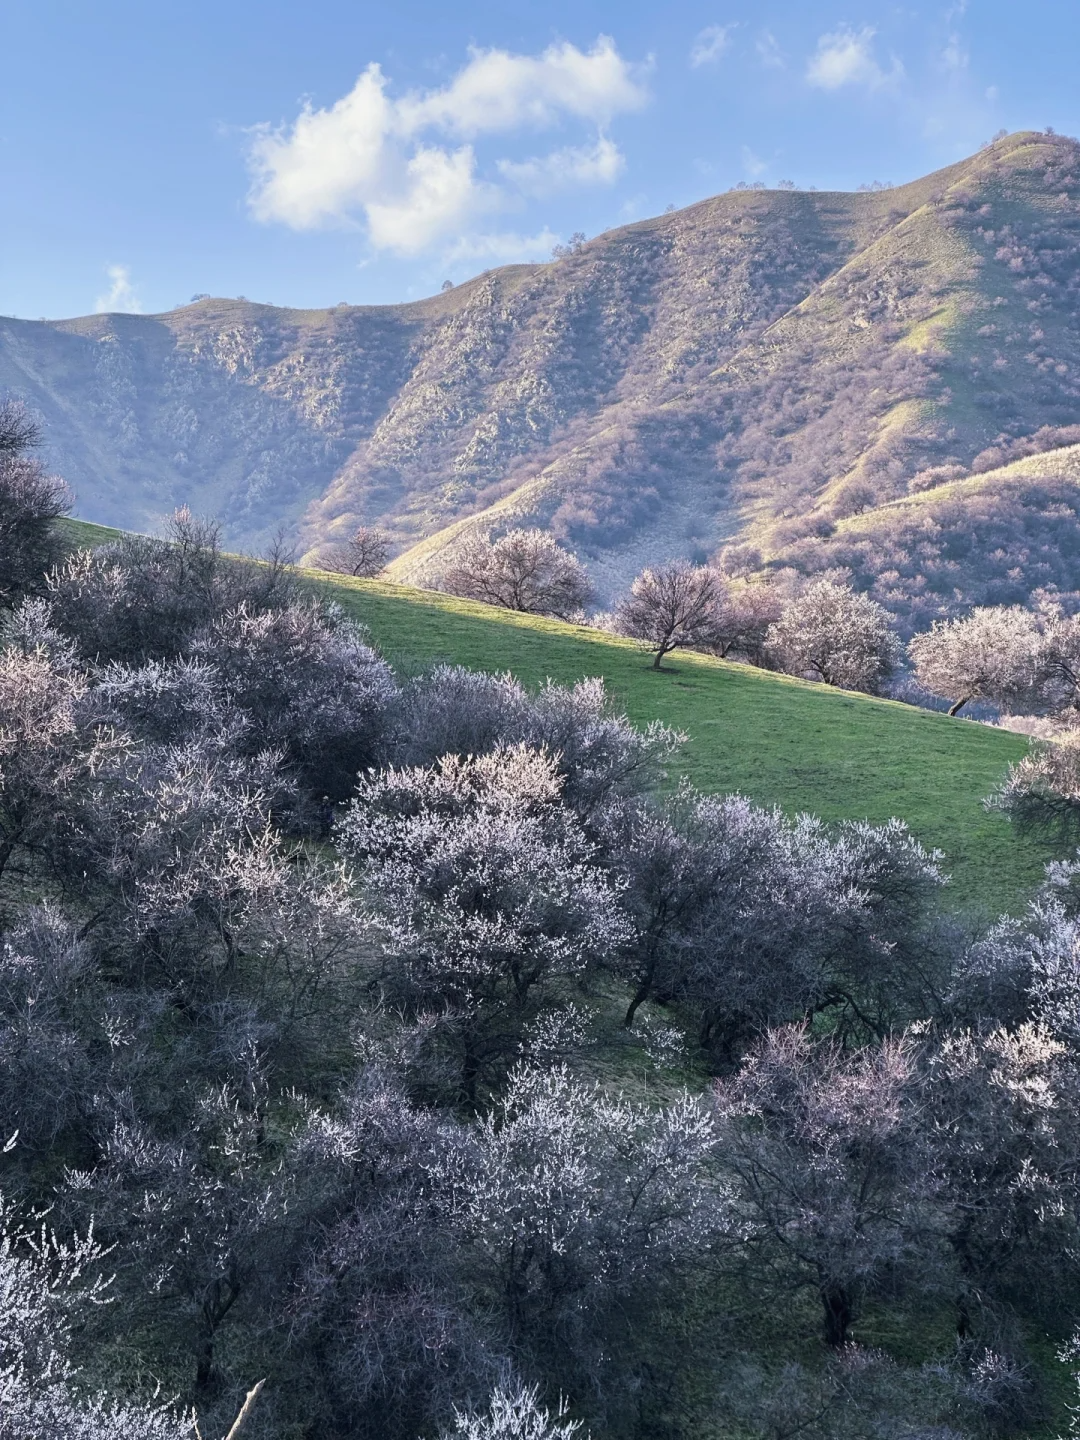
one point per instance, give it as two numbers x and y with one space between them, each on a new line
778 740
988 539
755 368
518 1054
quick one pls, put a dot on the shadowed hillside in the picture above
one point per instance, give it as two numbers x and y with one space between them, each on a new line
760 367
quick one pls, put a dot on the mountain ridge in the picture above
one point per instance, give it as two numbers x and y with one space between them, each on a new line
751 370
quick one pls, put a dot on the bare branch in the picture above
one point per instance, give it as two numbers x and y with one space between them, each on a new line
245 1410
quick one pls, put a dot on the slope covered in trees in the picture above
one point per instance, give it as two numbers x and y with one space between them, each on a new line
992 538
780 741
757 368
403 1036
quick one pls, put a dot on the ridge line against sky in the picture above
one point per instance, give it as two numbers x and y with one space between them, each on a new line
306 155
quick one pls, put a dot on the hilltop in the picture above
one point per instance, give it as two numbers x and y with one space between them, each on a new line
764 368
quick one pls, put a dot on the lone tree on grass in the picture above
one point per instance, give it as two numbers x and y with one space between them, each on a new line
995 653
524 570
671 607
364 554
833 634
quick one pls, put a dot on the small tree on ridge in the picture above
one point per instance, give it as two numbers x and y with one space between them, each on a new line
365 553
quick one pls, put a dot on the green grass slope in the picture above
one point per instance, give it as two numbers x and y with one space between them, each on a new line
84 535
777 740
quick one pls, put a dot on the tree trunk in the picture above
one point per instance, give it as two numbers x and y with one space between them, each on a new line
222 1296
654 934
204 1365
664 649
838 1316
640 994
955 709
470 1072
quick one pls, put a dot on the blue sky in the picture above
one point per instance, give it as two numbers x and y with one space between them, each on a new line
309 153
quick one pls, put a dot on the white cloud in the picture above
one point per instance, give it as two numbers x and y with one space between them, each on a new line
954 58
377 160
710 44
502 249
753 164
120 298
846 57
330 160
769 52
441 194
497 91
599 164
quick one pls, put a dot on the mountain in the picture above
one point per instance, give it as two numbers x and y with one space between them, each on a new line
773 370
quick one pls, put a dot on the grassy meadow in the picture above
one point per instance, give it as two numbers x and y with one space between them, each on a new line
778 740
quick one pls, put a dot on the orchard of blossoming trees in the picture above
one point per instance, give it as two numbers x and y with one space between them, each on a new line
404 1044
